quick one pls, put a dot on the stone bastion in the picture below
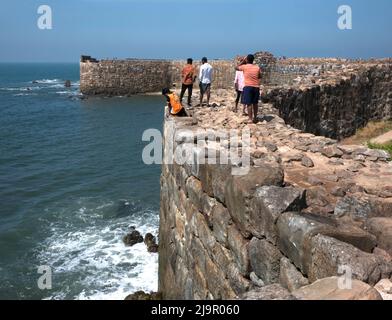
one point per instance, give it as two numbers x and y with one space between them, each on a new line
307 209
308 218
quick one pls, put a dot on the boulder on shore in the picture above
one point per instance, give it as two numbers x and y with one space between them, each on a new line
141 295
133 237
150 242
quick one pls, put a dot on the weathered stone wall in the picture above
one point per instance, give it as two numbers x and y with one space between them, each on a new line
222 78
124 77
307 209
339 108
133 76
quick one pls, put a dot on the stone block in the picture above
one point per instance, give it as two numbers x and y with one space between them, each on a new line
331 257
294 234
382 229
289 277
237 281
328 289
221 219
267 204
270 292
203 232
217 283
296 231
361 207
240 189
239 246
384 288
265 260
194 191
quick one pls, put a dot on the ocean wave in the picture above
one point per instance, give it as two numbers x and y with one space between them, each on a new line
92 262
57 86
24 94
21 88
63 92
69 93
47 81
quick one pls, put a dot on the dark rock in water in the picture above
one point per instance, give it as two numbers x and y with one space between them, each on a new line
150 242
141 295
67 84
133 238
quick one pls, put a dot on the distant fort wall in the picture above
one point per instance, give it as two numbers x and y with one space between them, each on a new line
137 76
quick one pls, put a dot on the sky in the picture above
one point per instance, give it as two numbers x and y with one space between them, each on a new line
189 28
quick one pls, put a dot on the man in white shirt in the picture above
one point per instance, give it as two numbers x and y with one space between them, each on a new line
205 78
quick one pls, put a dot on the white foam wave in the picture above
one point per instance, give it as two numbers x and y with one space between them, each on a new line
69 93
47 81
57 86
21 89
105 267
24 94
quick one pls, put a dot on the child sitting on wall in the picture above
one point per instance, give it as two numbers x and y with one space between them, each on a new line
174 104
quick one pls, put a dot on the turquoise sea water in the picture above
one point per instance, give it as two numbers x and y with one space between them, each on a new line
72 182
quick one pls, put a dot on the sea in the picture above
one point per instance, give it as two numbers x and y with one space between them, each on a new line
72 184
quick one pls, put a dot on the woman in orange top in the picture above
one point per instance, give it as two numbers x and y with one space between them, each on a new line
174 104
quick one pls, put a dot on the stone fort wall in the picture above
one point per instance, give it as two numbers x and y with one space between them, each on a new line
136 76
307 211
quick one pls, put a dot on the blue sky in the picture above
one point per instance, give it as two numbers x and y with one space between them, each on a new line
190 28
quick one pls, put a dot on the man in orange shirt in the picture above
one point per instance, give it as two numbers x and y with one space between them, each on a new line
251 91
188 77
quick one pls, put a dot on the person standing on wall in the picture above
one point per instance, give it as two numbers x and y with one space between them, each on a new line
239 86
188 78
251 92
205 78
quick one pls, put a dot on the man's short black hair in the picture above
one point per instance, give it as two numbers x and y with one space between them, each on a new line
204 60
250 58
165 91
189 60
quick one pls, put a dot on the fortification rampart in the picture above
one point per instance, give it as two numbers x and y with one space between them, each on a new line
137 76
308 210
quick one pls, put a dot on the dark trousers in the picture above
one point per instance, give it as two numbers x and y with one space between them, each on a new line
184 87
237 99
